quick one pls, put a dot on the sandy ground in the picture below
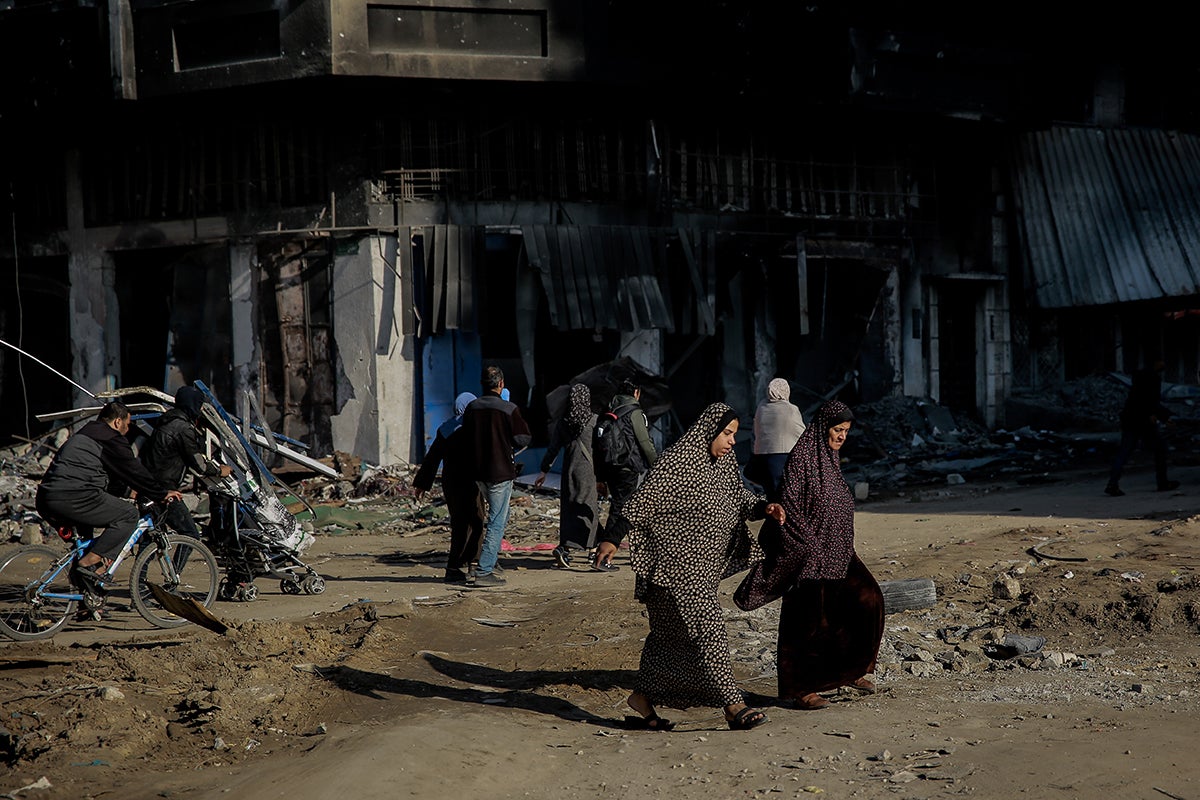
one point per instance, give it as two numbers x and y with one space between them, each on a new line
391 684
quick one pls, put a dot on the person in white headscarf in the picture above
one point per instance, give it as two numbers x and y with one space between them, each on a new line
463 499
777 426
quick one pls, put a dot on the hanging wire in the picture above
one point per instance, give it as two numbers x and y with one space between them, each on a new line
12 200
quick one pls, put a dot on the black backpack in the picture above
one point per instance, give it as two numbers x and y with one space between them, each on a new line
614 445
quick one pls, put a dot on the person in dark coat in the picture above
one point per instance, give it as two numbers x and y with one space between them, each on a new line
577 518
1140 420
494 429
831 618
85 482
626 406
174 449
451 450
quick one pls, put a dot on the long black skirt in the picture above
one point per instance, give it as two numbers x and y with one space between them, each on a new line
829 632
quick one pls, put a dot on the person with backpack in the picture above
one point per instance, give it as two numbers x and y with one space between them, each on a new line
621 462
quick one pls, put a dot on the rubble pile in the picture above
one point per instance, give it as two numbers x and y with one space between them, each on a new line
987 625
902 442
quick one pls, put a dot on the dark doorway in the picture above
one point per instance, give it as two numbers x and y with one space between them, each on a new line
958 358
174 317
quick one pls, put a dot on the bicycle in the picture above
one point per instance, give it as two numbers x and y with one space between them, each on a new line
37 597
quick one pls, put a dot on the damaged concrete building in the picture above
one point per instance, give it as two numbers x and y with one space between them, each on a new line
345 208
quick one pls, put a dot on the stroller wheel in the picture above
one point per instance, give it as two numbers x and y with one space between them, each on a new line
314 584
289 586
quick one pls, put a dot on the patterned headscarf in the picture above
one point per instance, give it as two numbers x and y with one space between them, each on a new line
818 537
688 518
779 389
579 410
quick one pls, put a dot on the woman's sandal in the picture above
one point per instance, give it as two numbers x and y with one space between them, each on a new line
811 702
651 723
746 719
864 685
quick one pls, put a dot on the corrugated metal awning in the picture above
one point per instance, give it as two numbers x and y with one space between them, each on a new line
1108 216
616 277
436 264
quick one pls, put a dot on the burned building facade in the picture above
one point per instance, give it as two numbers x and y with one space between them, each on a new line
345 208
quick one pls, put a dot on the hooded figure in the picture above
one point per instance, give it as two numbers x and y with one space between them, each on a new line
831 620
175 448
777 426
451 450
577 496
687 524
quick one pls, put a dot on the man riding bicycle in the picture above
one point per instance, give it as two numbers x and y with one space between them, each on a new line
85 482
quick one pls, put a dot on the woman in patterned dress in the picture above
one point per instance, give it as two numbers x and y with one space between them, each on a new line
831 619
688 532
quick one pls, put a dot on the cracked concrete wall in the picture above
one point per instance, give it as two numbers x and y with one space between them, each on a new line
376 365
95 323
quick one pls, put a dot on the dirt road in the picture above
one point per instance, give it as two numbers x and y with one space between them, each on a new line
393 685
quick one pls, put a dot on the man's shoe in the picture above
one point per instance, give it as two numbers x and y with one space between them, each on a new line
1112 490
1168 486
86 579
489 579
561 557
455 576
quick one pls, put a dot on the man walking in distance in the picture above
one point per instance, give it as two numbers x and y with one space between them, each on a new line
1140 420
622 480
494 429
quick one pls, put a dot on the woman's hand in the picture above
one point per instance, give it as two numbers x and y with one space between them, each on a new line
539 480
776 512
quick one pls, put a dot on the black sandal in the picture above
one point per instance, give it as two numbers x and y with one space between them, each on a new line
651 723
88 578
746 719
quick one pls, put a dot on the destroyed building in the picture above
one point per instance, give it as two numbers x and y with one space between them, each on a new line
345 208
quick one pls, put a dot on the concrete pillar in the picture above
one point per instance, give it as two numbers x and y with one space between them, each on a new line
933 367
95 321
243 272
914 322
893 331
997 355
375 380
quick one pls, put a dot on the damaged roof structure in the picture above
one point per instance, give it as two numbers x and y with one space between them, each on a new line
346 208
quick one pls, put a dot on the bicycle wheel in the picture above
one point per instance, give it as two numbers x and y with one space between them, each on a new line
26 613
197 579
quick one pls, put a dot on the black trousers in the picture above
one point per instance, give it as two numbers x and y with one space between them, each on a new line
180 520
620 488
89 510
465 504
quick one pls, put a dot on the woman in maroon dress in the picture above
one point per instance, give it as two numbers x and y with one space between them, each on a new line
831 619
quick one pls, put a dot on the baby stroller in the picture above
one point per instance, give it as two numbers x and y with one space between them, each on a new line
253 534
251 531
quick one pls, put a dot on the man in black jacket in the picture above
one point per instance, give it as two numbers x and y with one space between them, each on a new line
174 448
494 429
1140 419
84 484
